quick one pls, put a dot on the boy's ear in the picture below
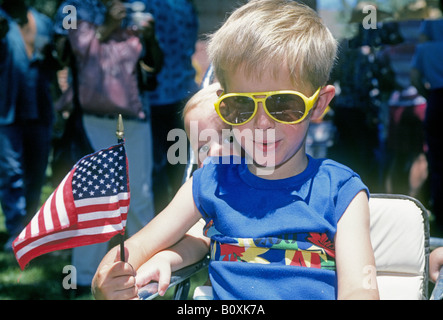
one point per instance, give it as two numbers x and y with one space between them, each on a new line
325 97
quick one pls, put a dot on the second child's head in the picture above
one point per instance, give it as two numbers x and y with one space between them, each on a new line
273 59
207 133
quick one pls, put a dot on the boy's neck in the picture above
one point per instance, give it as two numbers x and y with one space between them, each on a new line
294 166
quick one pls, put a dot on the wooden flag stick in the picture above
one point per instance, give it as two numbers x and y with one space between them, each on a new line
120 133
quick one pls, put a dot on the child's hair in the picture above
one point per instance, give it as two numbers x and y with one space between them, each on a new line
205 95
265 35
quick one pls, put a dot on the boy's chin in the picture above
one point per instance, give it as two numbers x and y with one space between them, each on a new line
264 164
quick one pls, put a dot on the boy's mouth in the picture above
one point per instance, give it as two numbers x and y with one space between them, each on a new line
267 146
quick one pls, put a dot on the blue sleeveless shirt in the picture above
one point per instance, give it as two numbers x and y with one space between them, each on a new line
273 239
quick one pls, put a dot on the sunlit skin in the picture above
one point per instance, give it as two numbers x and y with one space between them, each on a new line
288 149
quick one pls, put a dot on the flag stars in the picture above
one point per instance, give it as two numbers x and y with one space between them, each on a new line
95 177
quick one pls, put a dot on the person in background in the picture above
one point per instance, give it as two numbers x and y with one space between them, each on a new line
362 80
110 22
27 69
176 28
430 29
427 77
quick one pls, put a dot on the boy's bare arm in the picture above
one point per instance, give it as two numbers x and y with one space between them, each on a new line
193 247
164 231
187 251
355 260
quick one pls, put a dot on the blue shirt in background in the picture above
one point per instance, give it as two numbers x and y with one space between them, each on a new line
25 81
428 61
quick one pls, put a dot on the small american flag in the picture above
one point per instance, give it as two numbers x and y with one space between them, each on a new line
89 206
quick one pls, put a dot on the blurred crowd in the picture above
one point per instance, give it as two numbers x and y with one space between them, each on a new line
388 82
382 123
65 80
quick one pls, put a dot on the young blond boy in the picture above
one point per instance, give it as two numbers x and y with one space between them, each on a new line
298 229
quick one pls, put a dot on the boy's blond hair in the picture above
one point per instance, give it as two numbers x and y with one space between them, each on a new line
269 35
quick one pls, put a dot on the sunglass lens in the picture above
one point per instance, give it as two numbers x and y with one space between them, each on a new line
286 107
237 110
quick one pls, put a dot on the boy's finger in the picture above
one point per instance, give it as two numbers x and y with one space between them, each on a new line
163 281
143 279
125 294
121 269
125 282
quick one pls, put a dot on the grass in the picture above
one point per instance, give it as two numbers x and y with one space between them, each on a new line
43 278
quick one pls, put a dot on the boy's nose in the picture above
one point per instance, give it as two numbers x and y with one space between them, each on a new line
261 119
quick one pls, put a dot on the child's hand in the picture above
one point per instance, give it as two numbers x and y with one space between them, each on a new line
115 281
435 263
158 268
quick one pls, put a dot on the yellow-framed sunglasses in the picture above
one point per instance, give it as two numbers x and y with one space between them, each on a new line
286 106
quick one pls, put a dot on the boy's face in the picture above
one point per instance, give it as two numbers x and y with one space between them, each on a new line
270 143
